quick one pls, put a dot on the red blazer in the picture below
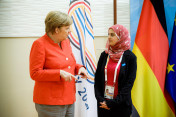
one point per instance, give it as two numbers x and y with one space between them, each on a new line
46 61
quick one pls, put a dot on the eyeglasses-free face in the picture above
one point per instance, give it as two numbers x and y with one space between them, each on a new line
113 39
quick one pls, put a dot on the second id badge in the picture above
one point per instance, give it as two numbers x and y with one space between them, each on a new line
109 92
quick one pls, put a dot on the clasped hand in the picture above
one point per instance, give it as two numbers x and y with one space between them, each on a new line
103 105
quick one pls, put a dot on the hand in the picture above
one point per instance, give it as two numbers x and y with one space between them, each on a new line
66 75
103 105
82 71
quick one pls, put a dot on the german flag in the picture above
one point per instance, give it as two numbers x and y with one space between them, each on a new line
151 48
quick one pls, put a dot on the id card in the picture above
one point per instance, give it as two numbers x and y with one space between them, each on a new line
109 92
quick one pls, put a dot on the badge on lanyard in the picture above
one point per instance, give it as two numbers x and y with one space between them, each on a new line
109 90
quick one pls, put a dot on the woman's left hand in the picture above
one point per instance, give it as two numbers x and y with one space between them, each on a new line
103 105
83 72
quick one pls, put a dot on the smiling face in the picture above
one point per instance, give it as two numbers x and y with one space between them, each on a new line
113 39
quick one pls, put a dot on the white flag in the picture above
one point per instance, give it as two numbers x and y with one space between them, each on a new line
82 42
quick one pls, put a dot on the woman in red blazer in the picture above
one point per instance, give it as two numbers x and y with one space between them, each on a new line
53 66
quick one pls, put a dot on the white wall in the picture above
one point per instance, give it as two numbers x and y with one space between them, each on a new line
26 17
18 30
16 88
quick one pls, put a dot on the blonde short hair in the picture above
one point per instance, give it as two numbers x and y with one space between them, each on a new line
56 19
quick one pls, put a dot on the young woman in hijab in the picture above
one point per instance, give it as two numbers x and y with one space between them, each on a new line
116 72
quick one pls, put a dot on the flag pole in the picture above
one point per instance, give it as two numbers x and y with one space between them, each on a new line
115 11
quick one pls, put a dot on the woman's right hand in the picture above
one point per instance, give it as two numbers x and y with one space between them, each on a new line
66 75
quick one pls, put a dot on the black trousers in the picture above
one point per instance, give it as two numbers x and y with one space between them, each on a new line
115 112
